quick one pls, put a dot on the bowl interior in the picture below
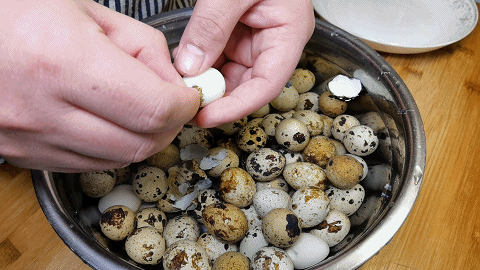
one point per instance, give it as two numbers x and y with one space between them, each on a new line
329 52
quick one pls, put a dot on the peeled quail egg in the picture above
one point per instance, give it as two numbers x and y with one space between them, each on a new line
307 251
120 195
210 84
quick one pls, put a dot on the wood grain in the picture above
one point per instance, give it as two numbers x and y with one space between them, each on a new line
442 231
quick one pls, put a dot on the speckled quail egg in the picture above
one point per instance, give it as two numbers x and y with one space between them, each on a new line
214 246
360 140
270 123
254 122
292 134
225 221
271 258
151 217
366 211
344 172
304 174
279 183
319 150
288 115
261 112
210 85
251 138
330 105
145 246
253 219
232 128
97 184
204 199
308 101
291 157
252 242
311 205
281 227
339 148
181 227
123 175
327 125
218 160
341 124
150 184
333 229
237 187
231 260
302 79
346 201
268 199
265 164
378 177
287 100
165 158
120 195
190 173
307 251
312 120
186 255
364 165
194 135
117 222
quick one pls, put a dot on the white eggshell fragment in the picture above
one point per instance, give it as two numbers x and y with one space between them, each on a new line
268 199
307 251
333 229
271 258
344 87
120 195
346 201
210 84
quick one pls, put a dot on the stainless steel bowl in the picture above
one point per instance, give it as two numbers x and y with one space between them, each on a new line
74 216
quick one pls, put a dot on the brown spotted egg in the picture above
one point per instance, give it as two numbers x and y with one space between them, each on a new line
304 174
145 246
346 201
232 128
319 150
218 160
231 260
265 164
331 105
292 134
165 158
261 112
271 258
308 101
225 221
151 217
194 135
186 254
251 138
333 229
281 227
117 222
311 205
312 120
237 187
97 184
302 79
150 184
181 227
344 171
360 140
270 123
341 124
204 199
287 100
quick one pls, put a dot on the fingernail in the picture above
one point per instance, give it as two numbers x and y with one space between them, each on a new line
190 58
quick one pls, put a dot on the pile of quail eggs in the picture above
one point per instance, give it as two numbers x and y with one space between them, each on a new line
275 190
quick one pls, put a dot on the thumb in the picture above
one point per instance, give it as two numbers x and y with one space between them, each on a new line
207 33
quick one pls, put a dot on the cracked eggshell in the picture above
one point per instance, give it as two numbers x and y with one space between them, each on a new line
151 217
344 172
341 124
145 246
281 227
190 134
214 246
120 195
360 140
333 229
271 258
117 222
225 221
287 99
97 184
231 260
150 184
292 134
265 164
218 160
311 205
346 201
304 174
181 227
210 84
237 187
186 254
307 251
252 242
268 199
251 138
312 120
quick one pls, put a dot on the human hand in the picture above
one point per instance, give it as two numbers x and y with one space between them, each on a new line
85 88
256 45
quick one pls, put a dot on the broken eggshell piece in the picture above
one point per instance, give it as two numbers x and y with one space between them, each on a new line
210 84
345 88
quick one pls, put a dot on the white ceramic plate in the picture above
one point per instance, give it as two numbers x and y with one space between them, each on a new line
402 26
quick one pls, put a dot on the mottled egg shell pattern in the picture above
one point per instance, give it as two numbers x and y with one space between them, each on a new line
304 174
363 162
271 258
150 184
330 105
123 175
231 260
214 246
302 79
319 150
341 124
308 101
327 125
333 229
194 135
204 199
166 158
265 164
219 159
237 187
312 120
270 123
186 254
346 201
268 199
145 246
253 219
311 205
261 112
97 184
252 242
279 183
181 227
360 140
232 128
251 138
287 100
117 222
344 171
151 217
225 221
292 134
281 227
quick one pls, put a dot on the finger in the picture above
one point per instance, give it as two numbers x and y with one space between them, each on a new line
206 34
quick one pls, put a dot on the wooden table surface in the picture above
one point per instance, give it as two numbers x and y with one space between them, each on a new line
442 231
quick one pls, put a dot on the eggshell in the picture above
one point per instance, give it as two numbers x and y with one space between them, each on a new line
302 79
308 101
364 165
307 251
97 184
279 183
268 199
145 246
204 199
237 187
120 195
344 171
261 112
194 135
341 124
334 228
150 184
210 84
225 221
360 140
231 260
270 123
312 120
292 134
304 174
271 258
232 128
287 99
265 164
252 242
311 205
319 150
187 255
215 246
281 227
165 158
117 222
181 227
346 201
251 138
330 105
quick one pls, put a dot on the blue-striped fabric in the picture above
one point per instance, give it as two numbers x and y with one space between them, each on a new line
141 9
